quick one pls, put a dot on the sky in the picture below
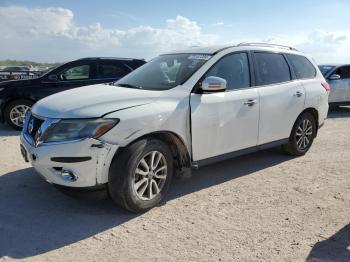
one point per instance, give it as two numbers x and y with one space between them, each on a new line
57 31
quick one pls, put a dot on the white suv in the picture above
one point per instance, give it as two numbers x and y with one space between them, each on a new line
181 110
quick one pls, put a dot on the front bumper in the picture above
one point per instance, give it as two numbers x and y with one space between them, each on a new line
88 160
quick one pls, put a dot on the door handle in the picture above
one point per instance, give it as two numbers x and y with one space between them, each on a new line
298 94
250 102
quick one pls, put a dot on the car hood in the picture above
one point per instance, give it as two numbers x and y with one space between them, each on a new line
92 101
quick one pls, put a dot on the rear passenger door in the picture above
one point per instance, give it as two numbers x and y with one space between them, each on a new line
282 97
109 71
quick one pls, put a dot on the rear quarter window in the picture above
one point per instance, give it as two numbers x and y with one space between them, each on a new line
271 68
135 63
325 69
302 67
109 69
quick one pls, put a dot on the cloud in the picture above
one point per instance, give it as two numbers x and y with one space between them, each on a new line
34 22
50 34
218 24
323 46
327 47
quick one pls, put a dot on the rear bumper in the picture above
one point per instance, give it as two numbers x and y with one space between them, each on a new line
88 164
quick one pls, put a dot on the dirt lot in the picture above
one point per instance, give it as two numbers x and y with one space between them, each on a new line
260 207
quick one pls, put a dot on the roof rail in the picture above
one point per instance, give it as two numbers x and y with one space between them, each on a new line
267 44
116 58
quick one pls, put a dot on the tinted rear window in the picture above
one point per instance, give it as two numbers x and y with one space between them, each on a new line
108 69
271 69
135 63
302 67
325 69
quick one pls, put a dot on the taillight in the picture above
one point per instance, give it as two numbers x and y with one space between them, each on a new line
326 86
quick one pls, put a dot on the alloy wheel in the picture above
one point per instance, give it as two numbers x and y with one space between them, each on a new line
150 175
304 134
18 113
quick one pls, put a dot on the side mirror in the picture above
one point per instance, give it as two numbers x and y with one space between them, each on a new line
213 84
52 77
334 77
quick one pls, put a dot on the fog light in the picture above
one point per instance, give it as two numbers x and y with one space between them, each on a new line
68 176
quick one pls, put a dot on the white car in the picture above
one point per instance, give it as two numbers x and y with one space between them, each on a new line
181 110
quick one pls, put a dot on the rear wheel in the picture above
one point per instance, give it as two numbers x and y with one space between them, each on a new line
15 112
302 135
140 176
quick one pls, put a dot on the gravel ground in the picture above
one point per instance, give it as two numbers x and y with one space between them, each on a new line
260 207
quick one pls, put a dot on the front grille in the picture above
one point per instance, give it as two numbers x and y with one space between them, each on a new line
33 127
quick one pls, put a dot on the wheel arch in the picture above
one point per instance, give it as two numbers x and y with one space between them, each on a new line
177 146
10 100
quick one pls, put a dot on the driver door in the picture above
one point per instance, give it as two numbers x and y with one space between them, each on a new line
225 122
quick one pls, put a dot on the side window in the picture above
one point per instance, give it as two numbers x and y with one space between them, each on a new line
111 70
302 66
79 72
234 69
344 72
271 68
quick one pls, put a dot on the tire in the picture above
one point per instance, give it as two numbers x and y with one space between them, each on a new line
302 135
128 188
16 108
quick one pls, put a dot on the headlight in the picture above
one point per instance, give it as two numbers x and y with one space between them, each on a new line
73 129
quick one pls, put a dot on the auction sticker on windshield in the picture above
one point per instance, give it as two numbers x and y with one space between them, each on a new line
199 57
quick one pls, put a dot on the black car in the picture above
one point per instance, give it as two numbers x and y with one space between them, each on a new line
16 97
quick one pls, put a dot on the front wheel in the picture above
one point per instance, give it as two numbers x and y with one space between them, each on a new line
302 135
140 175
15 112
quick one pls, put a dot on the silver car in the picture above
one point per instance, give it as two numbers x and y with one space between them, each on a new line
338 77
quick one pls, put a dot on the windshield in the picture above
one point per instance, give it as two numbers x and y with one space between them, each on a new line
164 72
325 69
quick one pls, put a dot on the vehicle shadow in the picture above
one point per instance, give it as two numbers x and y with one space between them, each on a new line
35 218
6 130
334 249
224 171
339 112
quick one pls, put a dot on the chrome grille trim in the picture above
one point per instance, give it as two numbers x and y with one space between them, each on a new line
40 126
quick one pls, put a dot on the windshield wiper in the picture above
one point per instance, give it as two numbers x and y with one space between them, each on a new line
129 86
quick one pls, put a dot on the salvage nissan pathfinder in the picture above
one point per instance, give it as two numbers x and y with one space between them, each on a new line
179 111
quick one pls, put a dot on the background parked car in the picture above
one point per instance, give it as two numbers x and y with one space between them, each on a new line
16 97
18 73
338 77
